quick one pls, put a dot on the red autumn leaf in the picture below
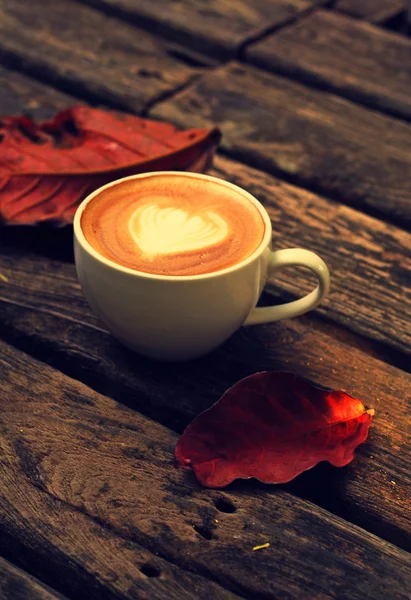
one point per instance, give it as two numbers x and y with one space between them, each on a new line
47 169
272 426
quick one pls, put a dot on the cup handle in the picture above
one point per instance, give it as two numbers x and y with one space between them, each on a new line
293 257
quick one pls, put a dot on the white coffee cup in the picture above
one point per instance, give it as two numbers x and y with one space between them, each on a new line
184 317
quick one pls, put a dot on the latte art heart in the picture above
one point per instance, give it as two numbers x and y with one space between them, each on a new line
173 225
169 230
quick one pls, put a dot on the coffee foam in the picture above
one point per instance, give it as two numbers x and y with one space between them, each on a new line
171 225
170 230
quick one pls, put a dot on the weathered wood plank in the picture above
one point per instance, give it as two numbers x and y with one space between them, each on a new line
23 95
60 326
315 139
50 532
86 452
376 11
355 59
88 53
370 261
216 27
16 584
79 553
43 312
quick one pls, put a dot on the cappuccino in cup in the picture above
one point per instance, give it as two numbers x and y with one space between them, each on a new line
167 225
174 263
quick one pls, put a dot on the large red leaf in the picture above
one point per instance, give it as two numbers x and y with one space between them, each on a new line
47 169
272 426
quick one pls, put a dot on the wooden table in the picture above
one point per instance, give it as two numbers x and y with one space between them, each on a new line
314 102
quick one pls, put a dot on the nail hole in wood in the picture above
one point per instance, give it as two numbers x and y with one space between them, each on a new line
205 532
225 506
150 571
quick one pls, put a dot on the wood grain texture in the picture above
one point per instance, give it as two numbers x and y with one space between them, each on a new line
23 95
44 313
81 554
355 59
370 261
216 27
313 138
16 584
376 11
88 53
113 465
61 540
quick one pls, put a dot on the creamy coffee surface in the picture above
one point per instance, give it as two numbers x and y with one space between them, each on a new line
171 225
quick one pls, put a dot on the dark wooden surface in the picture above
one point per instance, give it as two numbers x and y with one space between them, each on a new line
376 11
112 465
92 56
353 58
15 583
23 95
377 252
67 544
309 136
58 326
217 27
90 503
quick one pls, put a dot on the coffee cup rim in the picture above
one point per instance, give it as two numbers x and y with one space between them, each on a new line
87 247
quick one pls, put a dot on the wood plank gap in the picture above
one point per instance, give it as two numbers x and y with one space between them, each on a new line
378 349
18 584
314 139
146 543
205 27
398 24
169 95
188 56
308 486
100 58
124 468
81 584
79 91
300 53
23 95
261 164
46 76
313 82
375 348
144 22
173 46
16 552
57 244
374 11
46 352
240 55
